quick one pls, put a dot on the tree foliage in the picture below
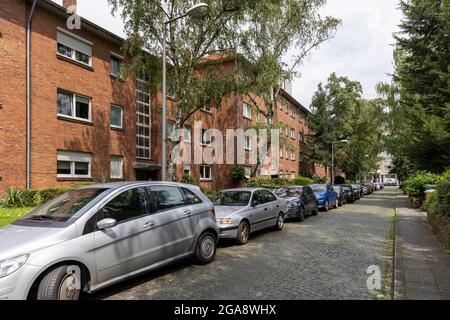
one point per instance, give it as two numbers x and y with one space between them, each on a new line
340 113
417 102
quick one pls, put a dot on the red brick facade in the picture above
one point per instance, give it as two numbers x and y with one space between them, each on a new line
51 133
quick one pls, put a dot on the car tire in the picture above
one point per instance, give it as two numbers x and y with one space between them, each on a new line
280 222
301 214
315 212
327 206
336 204
243 233
205 250
58 284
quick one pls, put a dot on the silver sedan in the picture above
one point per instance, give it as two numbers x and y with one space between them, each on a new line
95 236
240 212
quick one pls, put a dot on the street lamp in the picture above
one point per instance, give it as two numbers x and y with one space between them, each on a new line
196 11
332 157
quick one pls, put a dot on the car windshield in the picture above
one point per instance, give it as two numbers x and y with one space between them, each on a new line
319 188
346 188
232 198
65 206
337 188
288 192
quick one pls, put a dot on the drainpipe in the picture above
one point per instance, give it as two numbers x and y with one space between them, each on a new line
30 17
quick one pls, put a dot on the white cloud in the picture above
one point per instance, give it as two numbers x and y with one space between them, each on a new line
361 49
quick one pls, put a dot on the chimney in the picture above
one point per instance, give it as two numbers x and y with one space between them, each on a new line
70 3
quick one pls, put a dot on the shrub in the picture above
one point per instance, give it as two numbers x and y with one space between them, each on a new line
431 202
187 178
443 198
14 198
302 181
238 174
415 186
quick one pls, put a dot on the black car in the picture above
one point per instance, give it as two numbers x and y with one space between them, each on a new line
301 201
342 195
357 190
350 193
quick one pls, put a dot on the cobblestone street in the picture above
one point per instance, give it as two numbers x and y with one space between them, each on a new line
325 257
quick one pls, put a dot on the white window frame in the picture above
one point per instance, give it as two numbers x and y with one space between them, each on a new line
203 172
189 129
205 135
247 142
246 111
120 176
293 133
74 105
121 116
143 149
72 157
292 155
187 167
121 62
72 50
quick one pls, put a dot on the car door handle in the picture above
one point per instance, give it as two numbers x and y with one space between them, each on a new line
278 205
265 209
187 212
149 224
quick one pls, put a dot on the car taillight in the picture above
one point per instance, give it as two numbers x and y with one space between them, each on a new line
213 211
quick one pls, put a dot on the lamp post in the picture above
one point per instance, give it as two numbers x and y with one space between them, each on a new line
332 157
196 11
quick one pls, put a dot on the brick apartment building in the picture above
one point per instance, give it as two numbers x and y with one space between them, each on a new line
86 123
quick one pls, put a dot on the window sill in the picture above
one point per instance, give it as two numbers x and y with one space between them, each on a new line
117 129
205 180
116 77
80 64
247 118
73 179
64 118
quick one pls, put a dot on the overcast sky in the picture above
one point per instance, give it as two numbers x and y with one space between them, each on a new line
361 50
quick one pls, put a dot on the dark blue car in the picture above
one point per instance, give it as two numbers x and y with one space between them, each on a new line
326 196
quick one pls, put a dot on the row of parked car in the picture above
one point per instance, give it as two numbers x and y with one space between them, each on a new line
95 236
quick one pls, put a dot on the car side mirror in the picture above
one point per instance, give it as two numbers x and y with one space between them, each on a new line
106 223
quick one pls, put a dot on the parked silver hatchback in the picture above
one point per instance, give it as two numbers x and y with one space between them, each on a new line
242 211
95 236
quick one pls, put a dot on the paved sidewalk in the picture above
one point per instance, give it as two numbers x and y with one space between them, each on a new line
422 266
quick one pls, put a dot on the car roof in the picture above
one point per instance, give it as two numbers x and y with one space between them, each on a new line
245 189
117 185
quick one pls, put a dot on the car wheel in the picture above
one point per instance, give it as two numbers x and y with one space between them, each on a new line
280 222
301 214
336 204
327 206
243 233
59 284
315 212
205 250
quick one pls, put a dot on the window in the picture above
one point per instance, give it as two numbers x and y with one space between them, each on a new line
73 47
302 137
268 196
73 165
292 155
187 134
116 167
205 172
167 197
248 171
128 205
115 65
187 169
258 197
207 105
170 129
286 154
206 137
281 153
142 120
116 117
71 105
190 197
248 143
292 133
247 113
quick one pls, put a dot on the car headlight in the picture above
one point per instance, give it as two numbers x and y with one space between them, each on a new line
9 266
294 204
224 221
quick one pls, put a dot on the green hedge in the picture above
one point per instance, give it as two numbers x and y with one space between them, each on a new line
443 198
271 183
415 186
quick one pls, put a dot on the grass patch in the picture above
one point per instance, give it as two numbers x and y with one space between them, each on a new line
9 215
387 288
